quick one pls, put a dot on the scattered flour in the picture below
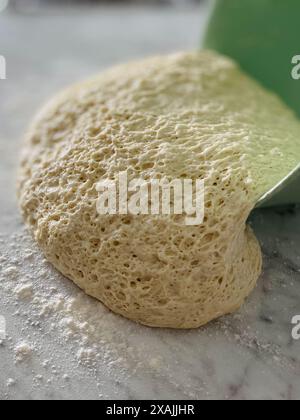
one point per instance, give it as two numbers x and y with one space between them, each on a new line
86 355
10 382
23 352
11 272
49 305
24 292
56 317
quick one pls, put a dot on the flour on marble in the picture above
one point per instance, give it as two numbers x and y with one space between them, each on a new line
10 382
24 291
51 304
23 351
93 339
10 272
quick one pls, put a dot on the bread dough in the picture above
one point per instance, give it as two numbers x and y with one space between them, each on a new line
188 115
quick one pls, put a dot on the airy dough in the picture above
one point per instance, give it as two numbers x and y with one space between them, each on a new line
188 115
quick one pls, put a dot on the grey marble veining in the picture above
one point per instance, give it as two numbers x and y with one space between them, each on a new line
248 355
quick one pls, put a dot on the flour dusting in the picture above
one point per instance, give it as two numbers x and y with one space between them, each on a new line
52 306
56 321
23 351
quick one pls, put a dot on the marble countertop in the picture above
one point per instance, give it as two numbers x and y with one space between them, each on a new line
248 355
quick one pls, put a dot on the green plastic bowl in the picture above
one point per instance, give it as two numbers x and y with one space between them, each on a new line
263 36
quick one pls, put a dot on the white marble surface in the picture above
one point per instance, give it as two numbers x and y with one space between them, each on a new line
250 355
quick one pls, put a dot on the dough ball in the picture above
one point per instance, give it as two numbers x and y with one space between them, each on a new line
184 116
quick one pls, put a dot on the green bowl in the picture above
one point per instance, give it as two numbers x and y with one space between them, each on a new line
264 37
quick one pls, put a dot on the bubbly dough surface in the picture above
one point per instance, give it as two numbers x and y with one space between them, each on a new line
188 115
